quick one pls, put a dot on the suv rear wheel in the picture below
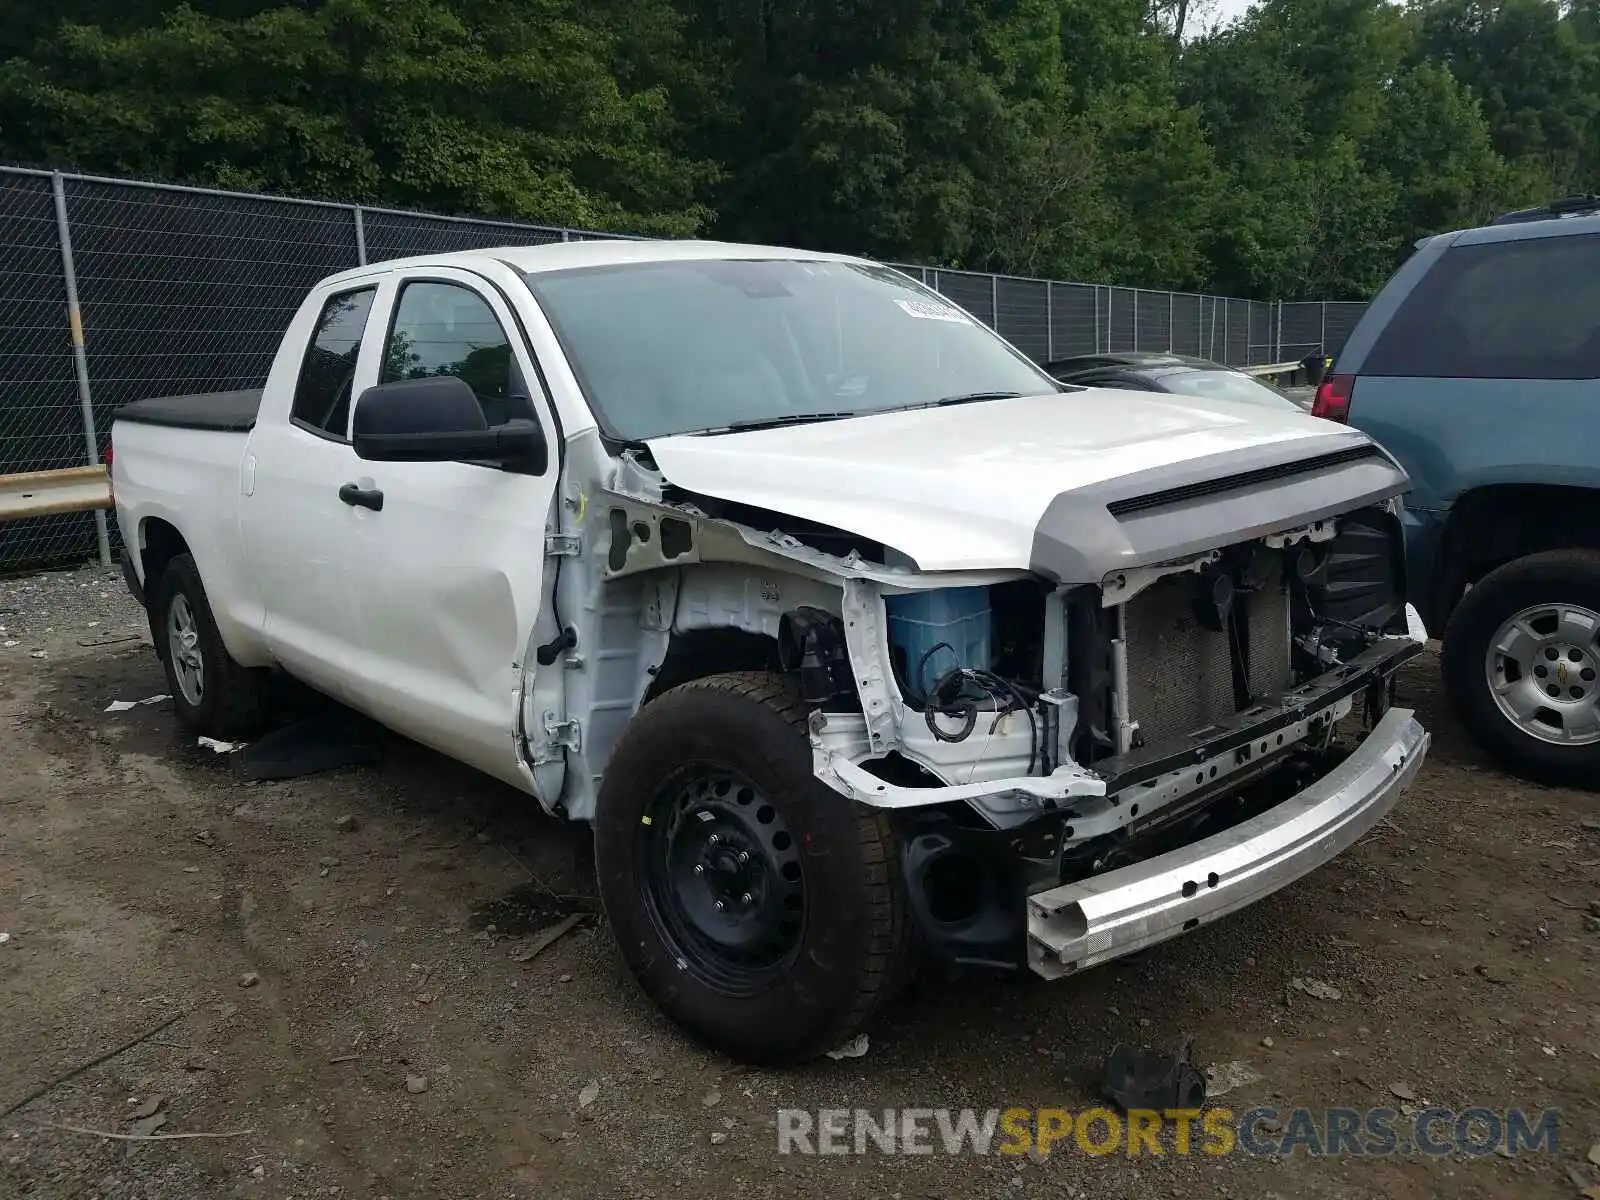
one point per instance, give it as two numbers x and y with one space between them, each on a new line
1522 665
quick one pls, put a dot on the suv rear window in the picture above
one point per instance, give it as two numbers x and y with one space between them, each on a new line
1522 309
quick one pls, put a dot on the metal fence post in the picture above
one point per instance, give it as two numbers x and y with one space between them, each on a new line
1050 321
1172 301
1322 337
1277 342
1097 318
1135 345
361 238
1227 342
80 357
994 303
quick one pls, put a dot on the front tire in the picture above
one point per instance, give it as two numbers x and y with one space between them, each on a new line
760 910
1521 657
211 693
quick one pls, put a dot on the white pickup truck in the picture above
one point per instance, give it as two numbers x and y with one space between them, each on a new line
850 631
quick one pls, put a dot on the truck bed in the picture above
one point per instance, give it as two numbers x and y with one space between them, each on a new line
223 412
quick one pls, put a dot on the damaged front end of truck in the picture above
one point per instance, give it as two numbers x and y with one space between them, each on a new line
1132 737
1170 684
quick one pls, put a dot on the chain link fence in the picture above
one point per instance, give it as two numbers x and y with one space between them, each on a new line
188 290
1050 320
1306 326
41 422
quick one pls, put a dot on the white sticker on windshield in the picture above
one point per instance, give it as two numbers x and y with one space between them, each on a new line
928 310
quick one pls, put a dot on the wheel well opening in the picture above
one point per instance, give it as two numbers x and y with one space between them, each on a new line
1491 526
162 543
956 887
697 653
901 771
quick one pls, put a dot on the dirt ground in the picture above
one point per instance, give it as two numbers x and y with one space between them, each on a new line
142 879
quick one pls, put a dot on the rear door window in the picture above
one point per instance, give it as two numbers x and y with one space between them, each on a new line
1521 309
322 393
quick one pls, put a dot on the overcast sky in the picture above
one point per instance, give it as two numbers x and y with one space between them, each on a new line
1221 11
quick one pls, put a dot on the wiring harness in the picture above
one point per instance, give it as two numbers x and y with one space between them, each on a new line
959 695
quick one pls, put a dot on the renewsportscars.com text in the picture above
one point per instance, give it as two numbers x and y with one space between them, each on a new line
1262 1131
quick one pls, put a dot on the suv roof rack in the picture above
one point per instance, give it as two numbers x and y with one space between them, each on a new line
1572 206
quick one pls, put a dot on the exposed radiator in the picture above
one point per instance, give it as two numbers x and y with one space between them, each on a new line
1268 653
1180 678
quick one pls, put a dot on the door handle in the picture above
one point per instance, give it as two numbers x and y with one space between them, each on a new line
362 497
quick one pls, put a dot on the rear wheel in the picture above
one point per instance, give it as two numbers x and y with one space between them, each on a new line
760 910
211 693
1522 665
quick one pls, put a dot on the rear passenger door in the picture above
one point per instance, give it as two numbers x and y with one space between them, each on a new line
453 564
298 535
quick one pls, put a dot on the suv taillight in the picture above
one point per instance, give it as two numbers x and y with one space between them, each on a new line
1333 398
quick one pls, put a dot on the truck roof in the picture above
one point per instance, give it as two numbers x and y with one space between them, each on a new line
559 256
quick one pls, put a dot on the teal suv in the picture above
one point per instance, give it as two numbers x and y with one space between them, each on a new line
1478 367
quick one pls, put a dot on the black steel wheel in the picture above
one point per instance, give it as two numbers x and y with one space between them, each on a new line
760 910
723 880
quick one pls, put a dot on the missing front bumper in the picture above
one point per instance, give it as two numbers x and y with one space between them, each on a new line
1109 915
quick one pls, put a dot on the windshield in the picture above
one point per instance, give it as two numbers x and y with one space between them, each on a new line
1226 385
678 347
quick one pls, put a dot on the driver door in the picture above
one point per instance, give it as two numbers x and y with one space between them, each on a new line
453 562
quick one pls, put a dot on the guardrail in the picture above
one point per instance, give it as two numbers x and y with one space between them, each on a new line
1289 374
1282 368
49 493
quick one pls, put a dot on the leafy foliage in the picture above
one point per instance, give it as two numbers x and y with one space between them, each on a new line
1298 151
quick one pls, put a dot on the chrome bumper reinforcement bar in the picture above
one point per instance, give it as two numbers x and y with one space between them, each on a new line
1106 916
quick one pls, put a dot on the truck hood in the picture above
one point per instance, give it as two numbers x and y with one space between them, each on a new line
977 486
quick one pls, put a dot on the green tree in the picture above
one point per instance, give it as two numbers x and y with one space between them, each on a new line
1431 140
515 107
1340 145
1298 151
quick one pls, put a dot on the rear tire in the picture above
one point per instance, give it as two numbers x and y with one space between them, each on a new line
211 693
760 910
1521 656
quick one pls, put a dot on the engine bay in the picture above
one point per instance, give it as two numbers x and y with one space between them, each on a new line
1195 694
1162 657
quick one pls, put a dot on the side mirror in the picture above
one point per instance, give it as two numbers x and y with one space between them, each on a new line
439 420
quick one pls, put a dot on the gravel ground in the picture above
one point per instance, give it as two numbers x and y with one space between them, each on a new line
87 608
341 957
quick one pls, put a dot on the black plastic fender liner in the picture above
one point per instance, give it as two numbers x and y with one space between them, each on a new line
967 886
1361 580
1222 499
811 643
130 579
